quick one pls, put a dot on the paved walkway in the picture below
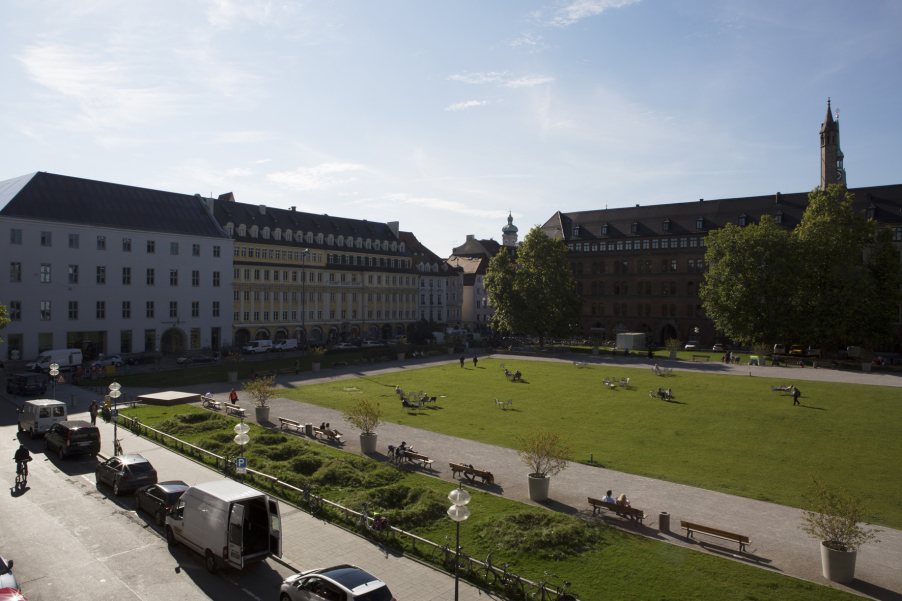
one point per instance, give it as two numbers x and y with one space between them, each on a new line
777 543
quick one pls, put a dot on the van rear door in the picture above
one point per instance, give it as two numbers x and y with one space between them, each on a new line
275 528
236 536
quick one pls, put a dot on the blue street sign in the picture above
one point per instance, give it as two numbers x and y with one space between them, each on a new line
241 464
114 414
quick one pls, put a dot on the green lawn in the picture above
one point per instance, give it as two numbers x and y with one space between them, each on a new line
723 433
601 562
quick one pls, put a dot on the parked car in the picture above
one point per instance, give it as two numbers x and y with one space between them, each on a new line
344 345
72 437
196 360
718 348
28 383
372 344
145 357
157 499
339 582
125 473
257 346
779 349
7 580
691 345
11 594
796 350
108 360
287 344
67 359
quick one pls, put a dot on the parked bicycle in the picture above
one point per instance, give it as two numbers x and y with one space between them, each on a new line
444 555
229 467
379 525
558 594
509 582
312 498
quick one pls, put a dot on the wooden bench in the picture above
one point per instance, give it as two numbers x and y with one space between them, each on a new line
423 459
629 512
435 353
700 357
265 374
330 434
460 468
209 403
230 408
290 423
381 359
287 370
722 534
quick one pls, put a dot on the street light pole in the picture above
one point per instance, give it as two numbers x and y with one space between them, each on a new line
458 512
114 394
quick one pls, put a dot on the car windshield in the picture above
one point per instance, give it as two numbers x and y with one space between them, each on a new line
380 594
85 434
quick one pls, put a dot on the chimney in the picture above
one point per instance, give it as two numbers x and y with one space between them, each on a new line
394 226
637 206
470 237
210 202
292 209
701 200
263 209
777 198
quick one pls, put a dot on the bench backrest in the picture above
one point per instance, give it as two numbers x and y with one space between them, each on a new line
415 455
231 406
615 507
714 531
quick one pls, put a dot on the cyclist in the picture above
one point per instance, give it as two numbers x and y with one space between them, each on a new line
22 458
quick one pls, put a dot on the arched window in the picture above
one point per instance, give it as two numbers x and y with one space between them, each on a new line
330 240
576 230
401 247
369 243
242 230
266 233
341 241
742 219
359 242
377 245
254 231
230 228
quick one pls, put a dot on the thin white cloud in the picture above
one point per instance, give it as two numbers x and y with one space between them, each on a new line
436 204
465 105
579 9
503 78
257 162
315 178
243 137
238 172
533 42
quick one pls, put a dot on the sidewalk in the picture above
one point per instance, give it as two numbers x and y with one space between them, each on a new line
777 543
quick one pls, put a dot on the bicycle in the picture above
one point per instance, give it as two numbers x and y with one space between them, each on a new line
560 594
229 467
117 447
507 581
380 526
445 557
22 474
313 500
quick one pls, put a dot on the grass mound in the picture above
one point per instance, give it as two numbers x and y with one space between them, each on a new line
193 423
404 506
541 533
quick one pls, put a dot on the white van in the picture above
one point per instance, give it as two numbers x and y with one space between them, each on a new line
257 346
230 524
38 415
69 358
288 344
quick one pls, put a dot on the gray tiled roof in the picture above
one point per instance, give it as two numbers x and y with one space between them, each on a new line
51 197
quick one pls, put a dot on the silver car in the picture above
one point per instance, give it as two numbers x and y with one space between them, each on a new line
339 583
7 580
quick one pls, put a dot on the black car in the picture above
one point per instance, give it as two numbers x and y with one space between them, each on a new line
145 357
125 473
196 359
156 499
28 383
72 437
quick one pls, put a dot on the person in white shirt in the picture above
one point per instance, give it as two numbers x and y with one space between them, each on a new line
607 498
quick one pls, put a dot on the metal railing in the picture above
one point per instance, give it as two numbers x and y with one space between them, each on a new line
349 514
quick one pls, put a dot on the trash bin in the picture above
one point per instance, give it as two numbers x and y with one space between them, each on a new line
73 400
664 523
308 430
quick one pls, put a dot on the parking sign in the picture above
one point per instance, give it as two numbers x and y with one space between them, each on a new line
241 464
115 415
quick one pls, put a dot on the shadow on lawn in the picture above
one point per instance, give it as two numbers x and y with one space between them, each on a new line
813 407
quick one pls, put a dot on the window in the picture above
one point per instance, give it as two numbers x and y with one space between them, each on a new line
15 236
73 274
101 309
173 309
699 223
266 274
101 242
195 338
173 248
634 227
101 274
256 274
73 240
215 279
126 245
870 212
691 266
151 246
46 238
45 273
673 265
195 250
45 310
247 295
195 277
150 277
15 310
256 316
693 242
665 243
742 219
173 277
126 309
215 308
73 309
125 341
683 242
216 251
247 316
195 309
666 225
149 308
654 244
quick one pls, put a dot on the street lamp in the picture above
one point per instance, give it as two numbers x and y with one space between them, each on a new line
54 372
241 437
458 512
115 393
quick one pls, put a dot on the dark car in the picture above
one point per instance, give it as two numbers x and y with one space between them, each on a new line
125 473
157 499
72 437
23 384
145 357
196 359
344 582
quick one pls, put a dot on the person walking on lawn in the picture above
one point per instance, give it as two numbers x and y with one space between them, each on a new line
461 361
297 367
795 396
233 397
475 361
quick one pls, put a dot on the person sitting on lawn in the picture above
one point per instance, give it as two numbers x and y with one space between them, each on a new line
398 390
517 375
669 393
661 392
607 498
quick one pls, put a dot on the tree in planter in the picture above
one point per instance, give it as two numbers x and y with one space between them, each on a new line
673 345
544 452
835 517
261 390
232 360
318 352
363 414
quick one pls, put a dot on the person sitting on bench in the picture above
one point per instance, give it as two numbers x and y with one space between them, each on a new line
403 449
622 501
607 498
322 426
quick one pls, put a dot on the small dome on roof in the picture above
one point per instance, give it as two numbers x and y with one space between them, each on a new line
510 228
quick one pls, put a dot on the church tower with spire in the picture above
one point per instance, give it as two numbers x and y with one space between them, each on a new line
509 232
832 171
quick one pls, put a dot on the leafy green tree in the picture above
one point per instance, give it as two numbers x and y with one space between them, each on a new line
4 318
538 295
748 289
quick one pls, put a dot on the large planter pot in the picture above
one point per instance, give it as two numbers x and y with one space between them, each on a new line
261 414
314 366
595 351
538 487
367 443
400 356
672 355
233 376
839 566
865 366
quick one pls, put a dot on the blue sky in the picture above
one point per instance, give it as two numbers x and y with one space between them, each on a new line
444 116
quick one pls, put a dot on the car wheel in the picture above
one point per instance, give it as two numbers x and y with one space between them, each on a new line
62 454
210 562
46 446
170 537
160 517
284 597
119 364
116 490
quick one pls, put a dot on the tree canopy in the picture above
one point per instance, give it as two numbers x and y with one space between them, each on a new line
830 281
4 319
537 295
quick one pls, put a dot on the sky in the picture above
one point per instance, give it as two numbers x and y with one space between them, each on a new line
446 116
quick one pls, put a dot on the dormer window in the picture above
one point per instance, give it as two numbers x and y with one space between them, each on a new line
369 243
666 225
742 220
309 237
778 217
604 229
266 233
870 212
288 235
700 223
634 227
576 230
319 238
377 245
341 241
401 247
242 230
230 228
330 240
254 231
277 234
394 246
359 242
